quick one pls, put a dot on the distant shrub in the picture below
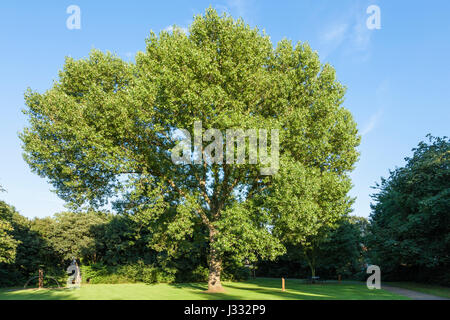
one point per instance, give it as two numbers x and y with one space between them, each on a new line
95 273
159 275
131 273
149 273
235 274
200 274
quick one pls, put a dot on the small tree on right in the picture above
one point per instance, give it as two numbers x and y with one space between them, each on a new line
307 202
409 232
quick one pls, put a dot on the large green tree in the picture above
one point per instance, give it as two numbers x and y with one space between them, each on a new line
106 129
307 202
73 235
409 234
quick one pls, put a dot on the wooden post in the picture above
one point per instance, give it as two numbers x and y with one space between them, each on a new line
41 278
282 285
339 278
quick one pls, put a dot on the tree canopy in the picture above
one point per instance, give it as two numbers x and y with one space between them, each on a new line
410 224
105 130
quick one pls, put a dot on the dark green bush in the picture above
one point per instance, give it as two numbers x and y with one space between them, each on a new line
147 273
139 272
236 274
158 275
200 274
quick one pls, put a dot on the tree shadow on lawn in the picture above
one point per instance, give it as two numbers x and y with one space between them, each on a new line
255 289
299 290
195 286
36 294
270 290
277 294
199 289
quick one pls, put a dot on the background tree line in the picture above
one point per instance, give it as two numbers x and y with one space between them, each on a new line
409 231
407 235
114 248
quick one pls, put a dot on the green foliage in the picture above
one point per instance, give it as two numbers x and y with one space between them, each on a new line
410 224
160 275
7 243
235 273
138 272
307 202
106 127
94 273
340 251
30 252
72 235
199 274
121 241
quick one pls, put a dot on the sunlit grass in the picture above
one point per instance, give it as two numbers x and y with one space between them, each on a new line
258 289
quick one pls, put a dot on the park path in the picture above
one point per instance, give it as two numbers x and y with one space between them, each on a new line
412 294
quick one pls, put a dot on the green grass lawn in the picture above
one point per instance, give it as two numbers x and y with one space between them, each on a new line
258 289
425 288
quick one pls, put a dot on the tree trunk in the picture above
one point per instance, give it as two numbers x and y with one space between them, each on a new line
215 267
41 278
311 263
313 271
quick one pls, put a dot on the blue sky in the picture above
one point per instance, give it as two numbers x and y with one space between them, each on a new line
398 77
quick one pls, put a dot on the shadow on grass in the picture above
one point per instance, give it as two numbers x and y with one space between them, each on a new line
199 289
268 289
36 294
296 290
255 289
195 286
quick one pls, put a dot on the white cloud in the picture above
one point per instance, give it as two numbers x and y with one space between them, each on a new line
332 37
373 121
382 98
361 35
349 32
240 6
237 8
335 33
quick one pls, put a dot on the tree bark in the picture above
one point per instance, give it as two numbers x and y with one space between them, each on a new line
311 262
313 271
215 267
41 278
